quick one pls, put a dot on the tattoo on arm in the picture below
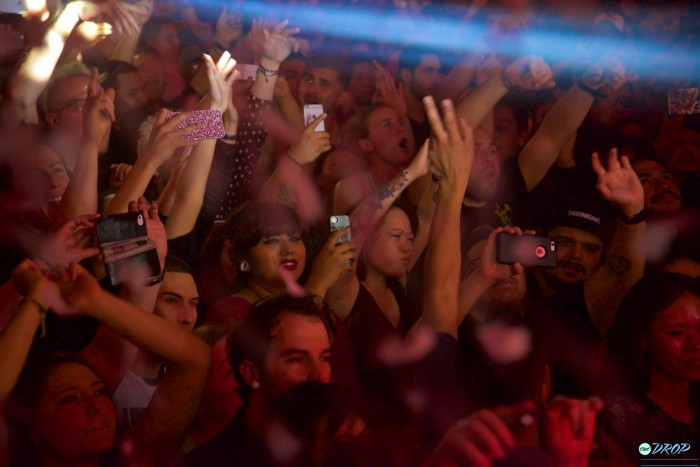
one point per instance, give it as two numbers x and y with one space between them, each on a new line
362 217
618 264
395 184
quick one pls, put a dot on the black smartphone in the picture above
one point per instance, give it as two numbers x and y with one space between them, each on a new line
340 223
528 250
125 246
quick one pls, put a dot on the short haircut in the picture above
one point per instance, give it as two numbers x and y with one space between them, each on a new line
412 56
251 338
174 263
521 113
111 72
47 100
332 62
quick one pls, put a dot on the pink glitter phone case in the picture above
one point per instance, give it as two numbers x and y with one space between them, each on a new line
210 125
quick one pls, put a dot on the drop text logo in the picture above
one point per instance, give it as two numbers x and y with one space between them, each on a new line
669 449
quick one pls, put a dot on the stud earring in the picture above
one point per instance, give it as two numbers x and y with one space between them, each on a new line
255 385
245 266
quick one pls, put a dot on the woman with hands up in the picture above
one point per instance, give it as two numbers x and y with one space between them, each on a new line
60 412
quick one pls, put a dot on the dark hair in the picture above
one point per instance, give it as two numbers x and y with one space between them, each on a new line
111 71
652 294
174 263
24 398
251 222
412 56
521 112
250 339
399 204
332 62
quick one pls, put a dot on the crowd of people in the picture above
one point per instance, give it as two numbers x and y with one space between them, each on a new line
452 135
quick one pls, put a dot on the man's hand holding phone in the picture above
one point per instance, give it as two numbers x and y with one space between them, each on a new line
312 142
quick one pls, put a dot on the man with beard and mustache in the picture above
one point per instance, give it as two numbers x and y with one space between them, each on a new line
598 261
419 70
661 194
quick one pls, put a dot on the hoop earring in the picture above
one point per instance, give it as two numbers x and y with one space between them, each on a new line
245 266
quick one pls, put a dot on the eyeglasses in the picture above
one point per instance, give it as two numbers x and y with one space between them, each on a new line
75 105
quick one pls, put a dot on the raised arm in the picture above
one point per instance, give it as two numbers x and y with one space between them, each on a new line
527 73
80 196
626 257
33 74
159 432
190 191
562 121
278 44
452 152
162 144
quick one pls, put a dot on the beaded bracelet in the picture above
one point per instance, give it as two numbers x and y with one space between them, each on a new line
267 73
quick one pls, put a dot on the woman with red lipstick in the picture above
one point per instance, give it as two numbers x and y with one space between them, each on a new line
656 345
267 250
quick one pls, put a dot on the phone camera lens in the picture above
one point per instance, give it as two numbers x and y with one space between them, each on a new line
334 220
540 251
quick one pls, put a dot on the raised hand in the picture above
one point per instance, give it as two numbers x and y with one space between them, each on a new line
386 90
122 15
529 74
87 34
491 270
154 226
64 246
229 27
610 73
451 143
619 183
99 111
29 281
311 143
221 77
279 42
165 139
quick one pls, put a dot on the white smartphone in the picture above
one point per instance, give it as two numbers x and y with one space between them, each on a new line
311 112
19 7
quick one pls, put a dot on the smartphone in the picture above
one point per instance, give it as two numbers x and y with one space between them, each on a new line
683 101
247 71
125 246
311 112
528 250
340 223
210 125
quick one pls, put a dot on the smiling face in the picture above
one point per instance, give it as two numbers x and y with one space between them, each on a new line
674 341
299 351
392 246
661 194
284 250
74 417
